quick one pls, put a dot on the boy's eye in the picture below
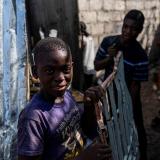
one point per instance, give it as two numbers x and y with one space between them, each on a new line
67 69
49 71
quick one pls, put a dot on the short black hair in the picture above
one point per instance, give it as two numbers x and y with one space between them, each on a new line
83 28
49 44
137 16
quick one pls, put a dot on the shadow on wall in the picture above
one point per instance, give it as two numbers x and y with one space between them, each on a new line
154 59
146 36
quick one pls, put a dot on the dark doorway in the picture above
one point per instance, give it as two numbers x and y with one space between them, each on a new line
44 17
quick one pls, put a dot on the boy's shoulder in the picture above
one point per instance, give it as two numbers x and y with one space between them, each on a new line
141 53
139 46
112 37
109 40
77 95
38 107
32 108
136 54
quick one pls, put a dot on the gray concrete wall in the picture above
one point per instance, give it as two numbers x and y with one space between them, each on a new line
104 17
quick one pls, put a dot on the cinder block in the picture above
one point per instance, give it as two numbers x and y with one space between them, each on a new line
96 4
83 5
135 4
108 27
119 5
97 28
88 17
151 4
104 16
117 16
108 5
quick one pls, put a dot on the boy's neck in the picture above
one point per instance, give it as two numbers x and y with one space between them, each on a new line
59 100
51 99
127 43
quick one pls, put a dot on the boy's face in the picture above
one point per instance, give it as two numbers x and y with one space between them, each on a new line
130 30
54 70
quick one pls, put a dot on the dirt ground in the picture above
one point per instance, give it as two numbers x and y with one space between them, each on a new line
151 107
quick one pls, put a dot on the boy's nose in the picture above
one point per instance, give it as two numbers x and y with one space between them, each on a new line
128 30
59 76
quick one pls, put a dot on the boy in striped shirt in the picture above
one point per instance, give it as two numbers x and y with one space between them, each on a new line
135 65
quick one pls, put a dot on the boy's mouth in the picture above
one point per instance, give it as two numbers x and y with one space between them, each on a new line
125 36
60 87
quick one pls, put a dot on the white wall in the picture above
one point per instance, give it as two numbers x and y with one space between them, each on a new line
104 17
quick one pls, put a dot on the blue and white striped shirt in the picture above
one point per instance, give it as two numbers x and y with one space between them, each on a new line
135 59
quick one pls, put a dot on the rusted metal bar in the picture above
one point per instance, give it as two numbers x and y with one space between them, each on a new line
103 134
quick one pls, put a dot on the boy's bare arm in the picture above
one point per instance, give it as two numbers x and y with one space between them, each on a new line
102 64
91 96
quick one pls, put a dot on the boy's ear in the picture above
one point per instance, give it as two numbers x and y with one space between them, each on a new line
34 71
140 29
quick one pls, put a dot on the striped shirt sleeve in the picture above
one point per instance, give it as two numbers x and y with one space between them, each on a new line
141 71
102 50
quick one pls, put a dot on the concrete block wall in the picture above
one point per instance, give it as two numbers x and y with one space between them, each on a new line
105 17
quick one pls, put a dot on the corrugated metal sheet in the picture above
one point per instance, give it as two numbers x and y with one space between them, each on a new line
119 118
12 72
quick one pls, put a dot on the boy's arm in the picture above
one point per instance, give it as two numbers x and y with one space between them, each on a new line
108 60
89 123
29 138
97 150
101 64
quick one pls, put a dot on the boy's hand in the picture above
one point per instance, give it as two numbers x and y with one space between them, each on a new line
94 94
112 51
97 151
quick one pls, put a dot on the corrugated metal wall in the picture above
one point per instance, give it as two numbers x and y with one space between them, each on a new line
119 118
12 72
